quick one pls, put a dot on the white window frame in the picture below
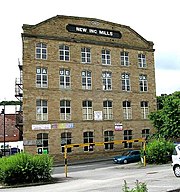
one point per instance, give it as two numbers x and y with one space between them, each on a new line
124 58
108 110
145 133
86 80
126 85
143 83
144 109
66 138
128 136
64 78
41 77
108 136
107 80
127 110
106 57
42 142
64 53
41 110
85 55
142 60
41 51
89 138
87 110
65 110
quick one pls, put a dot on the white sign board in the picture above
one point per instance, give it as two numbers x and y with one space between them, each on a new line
98 115
41 127
118 127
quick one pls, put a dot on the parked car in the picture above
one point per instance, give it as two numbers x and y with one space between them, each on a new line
128 157
176 160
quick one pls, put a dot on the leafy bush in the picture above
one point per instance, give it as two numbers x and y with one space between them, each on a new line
140 187
25 168
159 151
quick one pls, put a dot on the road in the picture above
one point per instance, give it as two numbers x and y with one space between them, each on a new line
107 177
83 166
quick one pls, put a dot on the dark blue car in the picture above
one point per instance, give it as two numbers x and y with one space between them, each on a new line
128 157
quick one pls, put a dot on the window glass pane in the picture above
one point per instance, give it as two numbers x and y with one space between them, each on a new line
89 104
68 103
39 136
109 104
67 110
105 104
44 102
84 104
62 103
44 78
62 110
45 143
44 110
38 102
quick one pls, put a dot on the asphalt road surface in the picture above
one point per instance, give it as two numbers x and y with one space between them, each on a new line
107 177
84 166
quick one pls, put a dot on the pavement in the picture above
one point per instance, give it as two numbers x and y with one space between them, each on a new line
76 162
56 164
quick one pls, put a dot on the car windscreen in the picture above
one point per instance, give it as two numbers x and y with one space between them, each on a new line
126 153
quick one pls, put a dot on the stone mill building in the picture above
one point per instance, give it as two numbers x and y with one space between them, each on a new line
85 80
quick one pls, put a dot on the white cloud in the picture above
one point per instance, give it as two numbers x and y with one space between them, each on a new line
156 21
167 81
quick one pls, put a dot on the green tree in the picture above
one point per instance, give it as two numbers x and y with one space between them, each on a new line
158 151
10 103
166 119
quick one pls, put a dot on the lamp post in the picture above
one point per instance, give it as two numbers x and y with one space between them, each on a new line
4 131
3 112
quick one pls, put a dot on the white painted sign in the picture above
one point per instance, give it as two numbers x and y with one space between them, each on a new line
41 127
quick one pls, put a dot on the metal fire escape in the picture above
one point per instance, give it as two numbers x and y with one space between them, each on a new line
19 96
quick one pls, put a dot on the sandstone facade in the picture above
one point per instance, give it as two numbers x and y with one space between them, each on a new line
47 127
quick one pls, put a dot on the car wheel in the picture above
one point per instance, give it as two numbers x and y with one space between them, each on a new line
125 161
177 170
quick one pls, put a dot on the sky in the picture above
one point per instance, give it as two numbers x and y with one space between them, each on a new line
155 20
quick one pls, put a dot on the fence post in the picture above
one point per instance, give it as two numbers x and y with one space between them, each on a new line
65 159
144 152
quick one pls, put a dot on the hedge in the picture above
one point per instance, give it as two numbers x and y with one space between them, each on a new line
25 168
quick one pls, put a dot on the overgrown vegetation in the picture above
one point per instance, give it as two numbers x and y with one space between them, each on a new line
140 187
167 124
159 151
166 119
25 168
